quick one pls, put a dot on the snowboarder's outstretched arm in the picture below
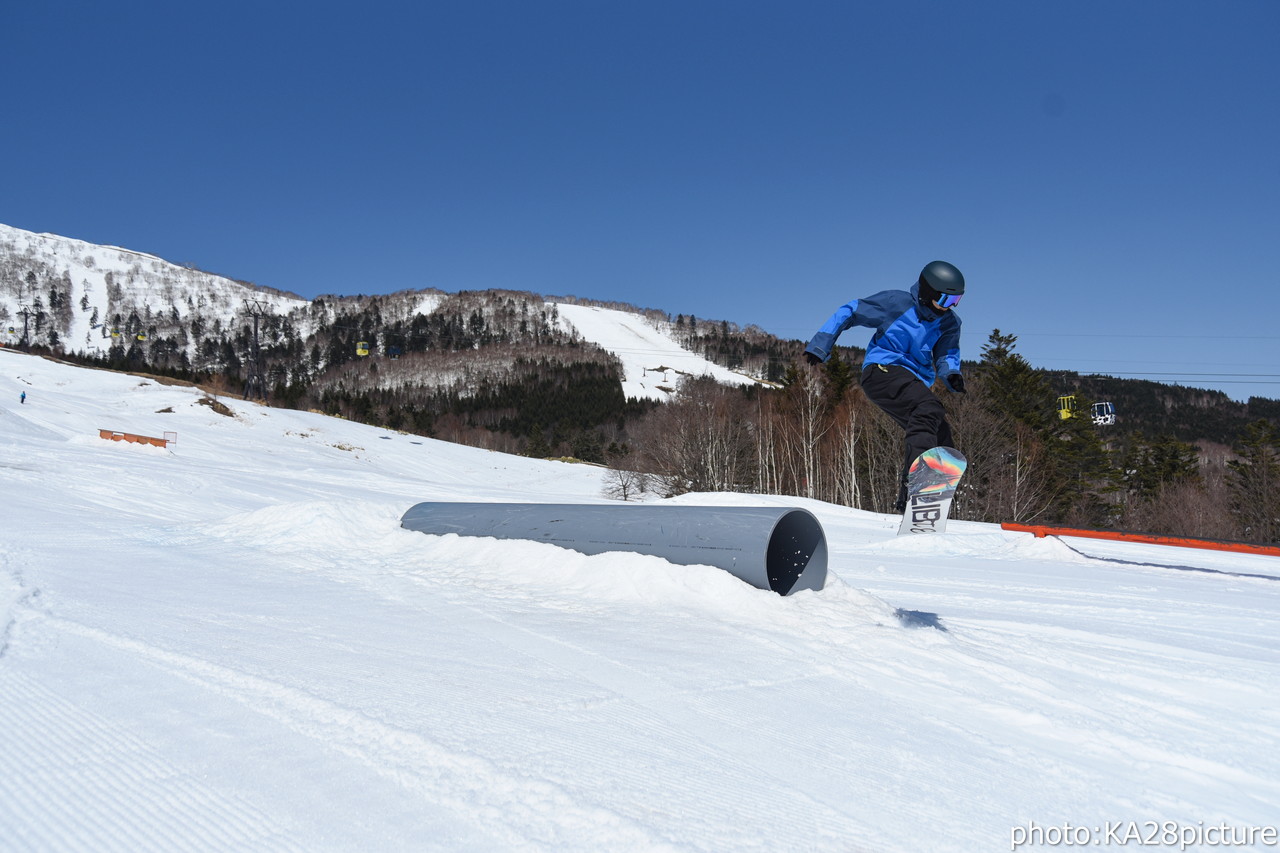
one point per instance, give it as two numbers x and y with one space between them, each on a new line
873 311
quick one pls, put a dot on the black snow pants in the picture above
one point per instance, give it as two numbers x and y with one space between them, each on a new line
911 404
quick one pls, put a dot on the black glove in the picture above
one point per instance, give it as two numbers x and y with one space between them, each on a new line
812 359
954 382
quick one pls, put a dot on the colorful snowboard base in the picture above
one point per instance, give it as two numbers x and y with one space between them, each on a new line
931 484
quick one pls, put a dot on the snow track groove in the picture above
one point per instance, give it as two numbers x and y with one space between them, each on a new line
521 813
654 705
94 786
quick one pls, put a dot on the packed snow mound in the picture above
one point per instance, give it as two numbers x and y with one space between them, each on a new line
653 363
991 546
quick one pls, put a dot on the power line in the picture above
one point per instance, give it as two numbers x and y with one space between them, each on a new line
1180 373
1128 335
1213 381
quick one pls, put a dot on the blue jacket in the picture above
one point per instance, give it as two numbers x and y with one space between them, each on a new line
920 338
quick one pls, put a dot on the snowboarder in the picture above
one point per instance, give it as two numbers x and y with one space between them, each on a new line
23 398
917 338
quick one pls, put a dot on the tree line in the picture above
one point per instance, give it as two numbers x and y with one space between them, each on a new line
497 369
819 437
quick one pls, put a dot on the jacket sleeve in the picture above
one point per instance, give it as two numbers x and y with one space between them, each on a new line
871 311
946 352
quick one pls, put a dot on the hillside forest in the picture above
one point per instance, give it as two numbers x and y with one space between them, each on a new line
496 369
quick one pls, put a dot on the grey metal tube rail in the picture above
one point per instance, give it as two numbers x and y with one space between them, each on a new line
782 549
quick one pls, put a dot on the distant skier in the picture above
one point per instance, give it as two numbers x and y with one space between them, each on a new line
917 338
23 398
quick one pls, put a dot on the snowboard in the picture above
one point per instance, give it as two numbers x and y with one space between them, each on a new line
931 484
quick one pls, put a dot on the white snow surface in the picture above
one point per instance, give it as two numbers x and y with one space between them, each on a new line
231 643
653 363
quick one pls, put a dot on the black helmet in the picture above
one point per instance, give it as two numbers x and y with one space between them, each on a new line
942 277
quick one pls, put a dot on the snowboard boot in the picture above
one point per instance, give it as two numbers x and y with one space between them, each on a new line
900 505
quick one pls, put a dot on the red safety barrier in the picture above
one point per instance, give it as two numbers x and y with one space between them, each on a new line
1041 530
112 435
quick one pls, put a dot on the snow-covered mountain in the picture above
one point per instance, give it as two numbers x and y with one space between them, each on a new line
90 291
231 643
90 297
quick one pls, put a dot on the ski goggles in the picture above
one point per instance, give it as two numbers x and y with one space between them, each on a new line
948 300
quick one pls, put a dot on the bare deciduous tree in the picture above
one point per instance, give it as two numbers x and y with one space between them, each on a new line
623 484
701 440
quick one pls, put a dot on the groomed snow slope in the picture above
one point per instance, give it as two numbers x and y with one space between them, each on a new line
652 362
232 644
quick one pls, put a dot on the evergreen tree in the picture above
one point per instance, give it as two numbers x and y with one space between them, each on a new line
1148 465
1255 483
588 447
1081 470
839 379
1014 388
1075 463
537 446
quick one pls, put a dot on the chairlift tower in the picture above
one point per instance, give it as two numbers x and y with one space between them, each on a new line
25 311
255 385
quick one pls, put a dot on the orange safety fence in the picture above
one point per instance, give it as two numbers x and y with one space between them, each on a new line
113 435
1042 530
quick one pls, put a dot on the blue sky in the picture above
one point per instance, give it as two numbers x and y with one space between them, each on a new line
1105 173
